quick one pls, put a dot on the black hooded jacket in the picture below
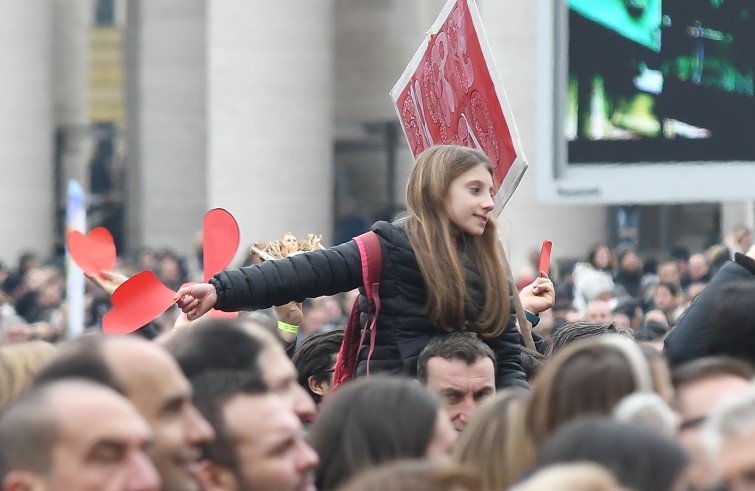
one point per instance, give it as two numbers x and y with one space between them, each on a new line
402 328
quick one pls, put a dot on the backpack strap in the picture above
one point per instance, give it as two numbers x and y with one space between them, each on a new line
372 265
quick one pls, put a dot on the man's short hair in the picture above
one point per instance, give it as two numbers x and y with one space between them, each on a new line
28 433
315 357
212 391
576 330
215 344
82 358
464 346
711 366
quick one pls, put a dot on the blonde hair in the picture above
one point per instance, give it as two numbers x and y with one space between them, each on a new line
571 477
495 442
431 234
19 363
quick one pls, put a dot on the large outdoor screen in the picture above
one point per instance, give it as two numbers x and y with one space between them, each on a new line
649 100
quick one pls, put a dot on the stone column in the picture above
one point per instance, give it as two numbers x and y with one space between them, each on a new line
166 122
26 190
270 71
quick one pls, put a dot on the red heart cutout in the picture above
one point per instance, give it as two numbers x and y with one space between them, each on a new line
138 301
92 252
545 257
220 241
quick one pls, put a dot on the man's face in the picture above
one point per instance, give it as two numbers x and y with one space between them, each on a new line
270 448
280 376
665 300
102 444
159 391
736 461
696 401
461 387
598 311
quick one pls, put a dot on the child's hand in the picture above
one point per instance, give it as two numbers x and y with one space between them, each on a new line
110 281
196 300
539 295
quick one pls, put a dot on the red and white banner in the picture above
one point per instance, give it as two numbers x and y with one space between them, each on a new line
450 93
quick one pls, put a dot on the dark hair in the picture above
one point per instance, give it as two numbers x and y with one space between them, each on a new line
531 361
639 457
680 253
215 344
711 366
315 357
371 421
577 330
28 432
212 390
732 328
80 358
464 346
672 288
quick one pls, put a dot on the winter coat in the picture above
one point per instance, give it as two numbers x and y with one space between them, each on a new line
689 339
403 330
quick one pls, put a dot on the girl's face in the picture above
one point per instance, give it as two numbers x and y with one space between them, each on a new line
602 257
469 201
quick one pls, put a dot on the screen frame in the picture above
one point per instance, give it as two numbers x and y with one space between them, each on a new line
641 182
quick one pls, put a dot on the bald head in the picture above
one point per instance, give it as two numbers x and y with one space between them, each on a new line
52 436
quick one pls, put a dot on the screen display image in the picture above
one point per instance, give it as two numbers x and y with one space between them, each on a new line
660 81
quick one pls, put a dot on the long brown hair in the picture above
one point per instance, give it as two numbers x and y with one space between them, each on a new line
431 235
588 377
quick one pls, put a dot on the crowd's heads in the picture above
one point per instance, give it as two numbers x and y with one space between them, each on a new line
315 360
151 379
414 475
75 435
258 439
240 345
495 443
18 365
639 457
588 377
377 420
460 369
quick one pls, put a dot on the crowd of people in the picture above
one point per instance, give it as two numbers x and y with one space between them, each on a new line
619 373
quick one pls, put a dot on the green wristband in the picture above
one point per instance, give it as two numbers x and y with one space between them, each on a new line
288 327
533 318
